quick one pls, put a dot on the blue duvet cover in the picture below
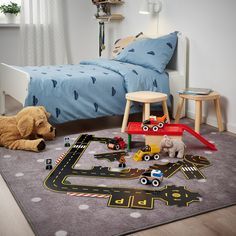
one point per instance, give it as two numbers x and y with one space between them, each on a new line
90 89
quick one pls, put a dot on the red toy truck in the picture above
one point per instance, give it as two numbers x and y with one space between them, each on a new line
116 143
154 123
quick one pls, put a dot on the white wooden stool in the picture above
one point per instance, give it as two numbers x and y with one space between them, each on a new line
214 96
145 97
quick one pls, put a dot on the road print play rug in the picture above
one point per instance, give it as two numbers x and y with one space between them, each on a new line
53 213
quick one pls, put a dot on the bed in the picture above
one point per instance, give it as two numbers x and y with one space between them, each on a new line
92 88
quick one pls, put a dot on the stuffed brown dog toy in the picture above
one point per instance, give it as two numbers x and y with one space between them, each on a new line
27 130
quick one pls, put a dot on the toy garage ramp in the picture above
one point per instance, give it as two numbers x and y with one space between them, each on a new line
168 129
198 136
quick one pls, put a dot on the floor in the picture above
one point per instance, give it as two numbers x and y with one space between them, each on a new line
12 221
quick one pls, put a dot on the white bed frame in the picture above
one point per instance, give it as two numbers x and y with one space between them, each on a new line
14 82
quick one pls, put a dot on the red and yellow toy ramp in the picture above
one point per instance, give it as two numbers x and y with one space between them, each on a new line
168 129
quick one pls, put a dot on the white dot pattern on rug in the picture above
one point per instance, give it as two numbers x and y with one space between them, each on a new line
135 215
77 165
36 199
164 160
40 160
115 169
114 132
207 152
92 152
83 207
19 174
211 141
200 199
102 185
213 132
61 233
202 180
7 156
58 148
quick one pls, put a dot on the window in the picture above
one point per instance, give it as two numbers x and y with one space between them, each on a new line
3 18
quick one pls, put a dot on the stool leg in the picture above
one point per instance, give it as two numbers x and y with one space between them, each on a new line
126 116
165 109
197 116
143 115
218 114
147 111
179 110
2 103
200 114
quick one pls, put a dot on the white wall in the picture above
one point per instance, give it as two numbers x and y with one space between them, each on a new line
83 30
9 45
210 28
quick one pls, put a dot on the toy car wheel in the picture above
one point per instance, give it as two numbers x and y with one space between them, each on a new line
155 128
144 181
146 158
117 147
155 183
156 157
145 128
161 125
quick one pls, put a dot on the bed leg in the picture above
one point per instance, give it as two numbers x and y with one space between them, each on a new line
2 103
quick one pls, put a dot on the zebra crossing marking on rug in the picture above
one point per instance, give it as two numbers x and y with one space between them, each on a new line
58 160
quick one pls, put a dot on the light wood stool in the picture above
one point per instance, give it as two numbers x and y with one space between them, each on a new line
145 97
198 108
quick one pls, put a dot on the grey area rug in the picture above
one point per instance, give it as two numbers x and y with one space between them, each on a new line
58 214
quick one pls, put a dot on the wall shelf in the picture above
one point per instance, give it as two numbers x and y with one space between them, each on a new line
9 25
111 17
114 2
104 10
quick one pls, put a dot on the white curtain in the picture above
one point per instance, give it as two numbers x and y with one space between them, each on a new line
42 28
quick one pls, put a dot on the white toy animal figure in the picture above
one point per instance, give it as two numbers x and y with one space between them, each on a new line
172 146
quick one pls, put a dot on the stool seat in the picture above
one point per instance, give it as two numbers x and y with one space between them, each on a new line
145 97
210 96
213 96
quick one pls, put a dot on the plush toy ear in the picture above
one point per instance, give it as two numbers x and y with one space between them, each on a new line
38 122
25 126
44 110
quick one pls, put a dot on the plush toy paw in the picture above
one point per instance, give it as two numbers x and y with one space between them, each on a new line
41 146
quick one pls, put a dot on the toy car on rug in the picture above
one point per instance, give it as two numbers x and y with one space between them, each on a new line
147 153
154 123
153 177
116 143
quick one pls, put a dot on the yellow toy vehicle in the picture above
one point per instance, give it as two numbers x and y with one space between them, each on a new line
147 153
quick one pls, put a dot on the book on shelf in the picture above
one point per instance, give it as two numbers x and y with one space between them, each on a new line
195 91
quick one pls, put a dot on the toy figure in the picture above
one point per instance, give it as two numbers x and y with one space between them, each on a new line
172 146
67 141
122 162
48 164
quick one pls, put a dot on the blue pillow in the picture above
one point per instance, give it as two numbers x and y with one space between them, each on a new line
150 53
